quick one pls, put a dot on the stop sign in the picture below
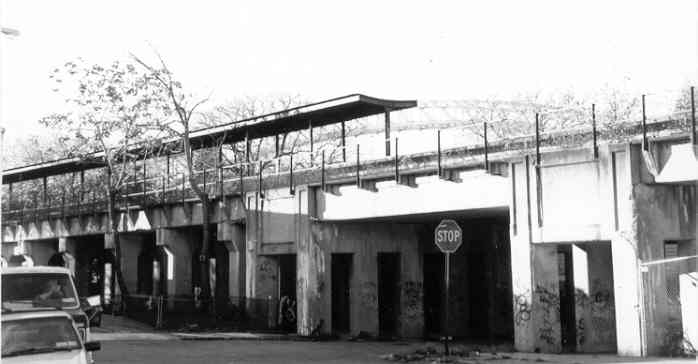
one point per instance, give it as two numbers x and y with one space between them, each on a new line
448 236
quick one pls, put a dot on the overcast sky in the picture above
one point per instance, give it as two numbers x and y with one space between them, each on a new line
323 49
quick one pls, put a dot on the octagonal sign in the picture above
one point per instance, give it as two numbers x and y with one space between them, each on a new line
448 236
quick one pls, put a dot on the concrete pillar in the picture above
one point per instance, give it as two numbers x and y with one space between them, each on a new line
180 243
131 244
233 236
546 299
40 250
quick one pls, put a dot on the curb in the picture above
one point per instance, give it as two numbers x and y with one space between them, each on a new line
131 336
237 336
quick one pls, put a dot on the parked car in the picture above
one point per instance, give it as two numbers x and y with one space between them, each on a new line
36 287
43 336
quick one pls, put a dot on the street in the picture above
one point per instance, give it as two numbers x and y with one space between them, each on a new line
243 351
288 352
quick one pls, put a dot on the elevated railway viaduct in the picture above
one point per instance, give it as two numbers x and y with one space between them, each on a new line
557 228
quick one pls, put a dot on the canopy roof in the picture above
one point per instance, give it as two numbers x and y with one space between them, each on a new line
299 118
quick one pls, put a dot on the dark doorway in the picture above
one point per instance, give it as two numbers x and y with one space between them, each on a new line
566 283
145 268
341 278
433 293
287 292
388 293
221 289
478 295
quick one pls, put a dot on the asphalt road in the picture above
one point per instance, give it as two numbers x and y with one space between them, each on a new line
289 352
244 351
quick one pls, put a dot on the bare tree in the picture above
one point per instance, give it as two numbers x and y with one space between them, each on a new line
183 109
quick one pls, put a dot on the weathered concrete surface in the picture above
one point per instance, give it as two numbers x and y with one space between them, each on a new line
364 241
182 243
594 298
688 283
664 213
546 299
477 190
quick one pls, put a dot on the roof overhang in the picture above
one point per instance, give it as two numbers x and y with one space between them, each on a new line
299 118
682 166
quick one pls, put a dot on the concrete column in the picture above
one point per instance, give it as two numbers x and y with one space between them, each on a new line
233 236
40 250
313 292
180 243
130 249
546 299
521 257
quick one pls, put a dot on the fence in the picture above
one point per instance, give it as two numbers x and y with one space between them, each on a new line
231 313
669 288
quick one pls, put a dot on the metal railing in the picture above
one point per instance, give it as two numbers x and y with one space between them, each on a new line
443 148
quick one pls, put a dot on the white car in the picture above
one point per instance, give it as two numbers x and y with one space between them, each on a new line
43 336
36 287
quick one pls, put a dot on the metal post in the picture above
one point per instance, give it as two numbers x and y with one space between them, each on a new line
259 181
397 163
184 181
539 186
322 172
694 139
247 149
164 190
387 132
487 154
219 172
204 177
438 152
145 176
63 204
290 175
45 190
537 141
9 197
447 277
358 165
593 130
312 146
80 192
644 126
344 143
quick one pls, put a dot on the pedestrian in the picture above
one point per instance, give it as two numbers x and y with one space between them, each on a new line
94 286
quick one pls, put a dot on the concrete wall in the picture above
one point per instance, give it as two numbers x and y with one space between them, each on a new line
182 243
364 241
476 190
594 298
41 250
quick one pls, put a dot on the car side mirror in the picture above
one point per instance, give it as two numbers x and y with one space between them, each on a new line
93 345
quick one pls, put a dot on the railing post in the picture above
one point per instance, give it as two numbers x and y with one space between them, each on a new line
593 130
644 126
322 172
539 185
291 190
164 190
184 178
487 155
204 173
438 153
694 139
259 181
358 167
397 162
344 143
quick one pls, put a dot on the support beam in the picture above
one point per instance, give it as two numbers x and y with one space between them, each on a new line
487 154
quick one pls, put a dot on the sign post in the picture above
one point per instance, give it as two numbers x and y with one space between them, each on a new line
448 236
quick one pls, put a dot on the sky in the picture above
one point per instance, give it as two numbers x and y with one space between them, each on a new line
323 49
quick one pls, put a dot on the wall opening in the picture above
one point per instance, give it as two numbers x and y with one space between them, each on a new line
567 301
388 293
433 293
341 277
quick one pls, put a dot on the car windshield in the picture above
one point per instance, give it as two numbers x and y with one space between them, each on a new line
39 335
38 290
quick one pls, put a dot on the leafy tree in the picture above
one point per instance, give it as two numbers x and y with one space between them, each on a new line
111 111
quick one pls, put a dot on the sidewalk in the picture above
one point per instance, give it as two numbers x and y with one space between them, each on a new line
123 328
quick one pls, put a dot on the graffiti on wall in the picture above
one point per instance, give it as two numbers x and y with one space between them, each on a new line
549 305
367 295
522 308
597 316
412 293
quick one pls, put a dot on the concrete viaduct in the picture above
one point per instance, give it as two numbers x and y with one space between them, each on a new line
558 229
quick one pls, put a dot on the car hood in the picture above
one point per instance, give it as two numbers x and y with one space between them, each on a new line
58 357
